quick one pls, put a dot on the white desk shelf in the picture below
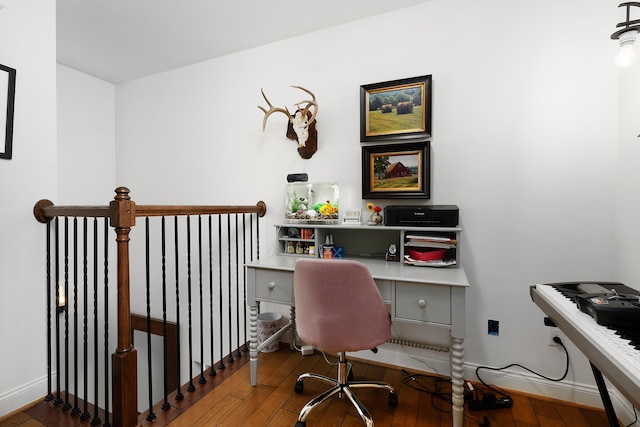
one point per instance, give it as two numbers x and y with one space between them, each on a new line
362 241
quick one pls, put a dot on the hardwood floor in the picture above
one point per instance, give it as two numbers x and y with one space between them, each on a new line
232 401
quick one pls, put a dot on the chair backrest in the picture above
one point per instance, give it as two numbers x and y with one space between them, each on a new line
338 306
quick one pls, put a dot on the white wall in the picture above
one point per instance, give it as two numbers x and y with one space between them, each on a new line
27 43
627 230
628 179
86 138
524 142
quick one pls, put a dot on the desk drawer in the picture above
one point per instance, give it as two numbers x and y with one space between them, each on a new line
423 303
273 285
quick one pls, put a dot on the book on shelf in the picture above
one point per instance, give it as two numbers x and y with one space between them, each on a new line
422 237
443 245
430 241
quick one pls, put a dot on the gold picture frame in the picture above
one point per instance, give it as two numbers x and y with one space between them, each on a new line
396 171
396 110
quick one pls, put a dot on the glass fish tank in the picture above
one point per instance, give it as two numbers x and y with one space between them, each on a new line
312 202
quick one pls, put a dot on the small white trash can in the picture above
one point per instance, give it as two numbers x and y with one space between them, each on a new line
268 324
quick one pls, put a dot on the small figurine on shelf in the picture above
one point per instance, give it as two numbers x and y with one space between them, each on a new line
327 249
374 217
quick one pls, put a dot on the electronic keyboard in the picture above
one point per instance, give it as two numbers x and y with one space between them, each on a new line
615 356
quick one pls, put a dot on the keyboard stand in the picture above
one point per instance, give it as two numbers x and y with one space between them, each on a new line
604 395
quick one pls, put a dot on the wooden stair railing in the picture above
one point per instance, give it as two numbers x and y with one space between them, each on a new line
122 213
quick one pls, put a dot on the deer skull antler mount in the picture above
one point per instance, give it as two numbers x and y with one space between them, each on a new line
302 123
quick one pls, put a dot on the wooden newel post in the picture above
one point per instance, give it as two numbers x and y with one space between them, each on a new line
124 360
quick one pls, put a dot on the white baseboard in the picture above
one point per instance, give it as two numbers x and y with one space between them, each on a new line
23 395
413 359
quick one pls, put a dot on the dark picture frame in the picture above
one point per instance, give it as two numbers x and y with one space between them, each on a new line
396 110
7 103
396 171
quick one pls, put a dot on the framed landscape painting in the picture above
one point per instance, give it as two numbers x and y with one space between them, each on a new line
396 171
396 110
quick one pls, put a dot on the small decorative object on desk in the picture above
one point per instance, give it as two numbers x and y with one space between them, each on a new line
374 217
352 216
392 253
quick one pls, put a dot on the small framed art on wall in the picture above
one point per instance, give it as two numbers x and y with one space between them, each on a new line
396 171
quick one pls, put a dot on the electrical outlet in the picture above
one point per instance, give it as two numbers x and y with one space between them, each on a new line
493 327
554 332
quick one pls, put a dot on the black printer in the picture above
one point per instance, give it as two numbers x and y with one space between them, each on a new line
422 216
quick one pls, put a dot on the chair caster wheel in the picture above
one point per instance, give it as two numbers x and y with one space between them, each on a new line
393 400
299 388
301 424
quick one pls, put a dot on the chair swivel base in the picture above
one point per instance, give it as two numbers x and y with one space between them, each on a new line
342 386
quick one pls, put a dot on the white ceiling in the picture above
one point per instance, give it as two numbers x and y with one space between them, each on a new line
122 40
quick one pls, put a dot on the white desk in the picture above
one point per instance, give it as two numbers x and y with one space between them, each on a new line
419 295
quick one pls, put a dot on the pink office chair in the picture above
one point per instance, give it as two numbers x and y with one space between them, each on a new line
339 309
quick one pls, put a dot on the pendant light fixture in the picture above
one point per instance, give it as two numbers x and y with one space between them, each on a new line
626 35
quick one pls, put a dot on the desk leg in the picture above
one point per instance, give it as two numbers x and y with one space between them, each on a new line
457 381
253 343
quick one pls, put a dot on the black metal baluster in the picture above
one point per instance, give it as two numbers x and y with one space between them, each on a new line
49 396
66 405
230 359
212 371
202 380
165 405
151 416
96 417
106 325
251 236
258 237
221 327
76 409
85 283
179 395
238 354
191 386
245 348
58 400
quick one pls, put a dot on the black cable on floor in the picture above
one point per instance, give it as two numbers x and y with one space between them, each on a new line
496 389
441 390
414 381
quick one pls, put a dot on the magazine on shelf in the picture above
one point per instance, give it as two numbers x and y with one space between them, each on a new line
430 241
419 238
443 245
435 263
